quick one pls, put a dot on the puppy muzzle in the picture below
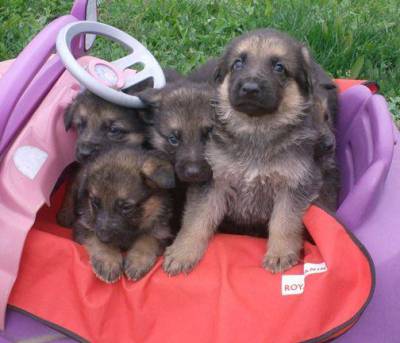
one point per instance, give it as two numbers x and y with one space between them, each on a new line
86 151
253 97
194 172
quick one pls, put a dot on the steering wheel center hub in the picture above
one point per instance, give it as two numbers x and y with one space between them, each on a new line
106 73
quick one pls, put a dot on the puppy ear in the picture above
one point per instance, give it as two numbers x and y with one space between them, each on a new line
151 97
220 71
305 75
69 115
159 172
171 75
139 87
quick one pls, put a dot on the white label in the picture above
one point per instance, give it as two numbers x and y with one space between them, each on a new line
29 160
314 268
292 284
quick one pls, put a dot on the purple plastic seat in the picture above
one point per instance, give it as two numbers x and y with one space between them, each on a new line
369 158
365 150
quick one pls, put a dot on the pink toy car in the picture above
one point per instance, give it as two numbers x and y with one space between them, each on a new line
35 89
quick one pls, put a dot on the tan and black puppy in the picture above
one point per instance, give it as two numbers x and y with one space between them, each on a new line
261 152
100 124
121 203
180 118
326 107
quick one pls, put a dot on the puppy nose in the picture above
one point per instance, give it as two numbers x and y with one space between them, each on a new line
249 88
192 170
85 150
195 172
104 236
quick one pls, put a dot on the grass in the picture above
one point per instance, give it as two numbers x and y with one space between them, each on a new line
350 38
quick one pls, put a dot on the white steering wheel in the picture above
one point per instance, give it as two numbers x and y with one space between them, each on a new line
107 79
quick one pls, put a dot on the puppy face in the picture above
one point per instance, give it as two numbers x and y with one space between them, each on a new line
122 192
100 124
181 122
261 71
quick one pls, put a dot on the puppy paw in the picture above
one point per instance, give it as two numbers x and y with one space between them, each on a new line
279 263
179 258
107 268
137 265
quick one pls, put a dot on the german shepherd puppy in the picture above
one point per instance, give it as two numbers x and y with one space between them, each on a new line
326 102
100 124
180 118
261 152
326 107
121 203
325 153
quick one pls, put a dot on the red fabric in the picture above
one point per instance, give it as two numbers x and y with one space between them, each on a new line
345 84
227 298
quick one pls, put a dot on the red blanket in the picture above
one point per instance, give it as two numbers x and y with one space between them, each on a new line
228 298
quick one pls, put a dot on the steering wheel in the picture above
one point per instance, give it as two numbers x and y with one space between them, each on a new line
107 79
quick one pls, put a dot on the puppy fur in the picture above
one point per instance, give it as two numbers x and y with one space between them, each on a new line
121 203
261 152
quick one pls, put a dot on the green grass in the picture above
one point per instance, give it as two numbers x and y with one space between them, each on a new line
350 38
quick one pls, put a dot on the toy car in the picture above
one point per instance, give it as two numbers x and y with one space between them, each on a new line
35 89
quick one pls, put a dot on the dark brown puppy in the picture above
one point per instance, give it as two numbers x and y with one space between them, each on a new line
100 124
326 108
261 152
180 118
121 204
325 153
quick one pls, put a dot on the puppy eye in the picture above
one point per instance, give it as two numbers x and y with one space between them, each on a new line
116 131
126 208
173 140
238 64
95 202
81 125
278 67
